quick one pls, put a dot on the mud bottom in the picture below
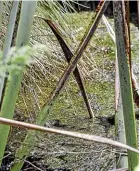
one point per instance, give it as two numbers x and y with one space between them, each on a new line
32 163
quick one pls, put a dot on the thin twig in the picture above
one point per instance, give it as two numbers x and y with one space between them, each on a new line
33 165
6 156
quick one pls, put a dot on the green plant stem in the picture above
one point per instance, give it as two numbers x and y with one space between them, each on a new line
122 160
14 80
125 84
8 40
8 106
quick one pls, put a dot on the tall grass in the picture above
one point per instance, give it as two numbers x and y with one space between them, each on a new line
1 9
14 79
27 145
122 161
8 40
125 83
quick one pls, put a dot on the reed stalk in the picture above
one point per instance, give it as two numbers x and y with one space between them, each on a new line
125 84
14 80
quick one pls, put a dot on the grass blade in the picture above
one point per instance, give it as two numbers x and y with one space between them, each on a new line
8 41
14 80
122 160
134 82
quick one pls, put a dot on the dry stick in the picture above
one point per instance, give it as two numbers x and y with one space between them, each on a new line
126 16
68 54
79 53
68 133
26 161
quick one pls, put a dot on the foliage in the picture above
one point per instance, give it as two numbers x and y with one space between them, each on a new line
44 71
14 80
